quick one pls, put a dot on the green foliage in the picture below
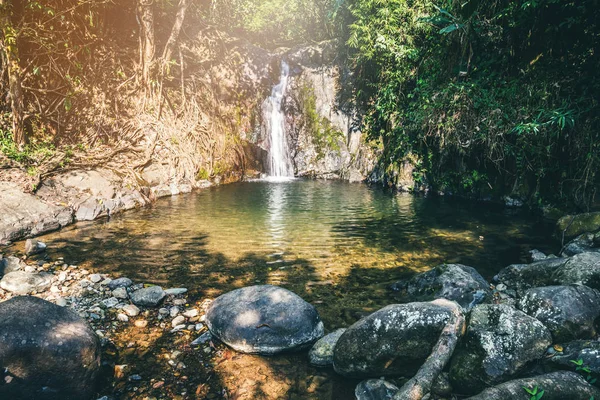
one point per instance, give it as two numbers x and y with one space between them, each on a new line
277 22
535 393
585 370
495 97
324 135
34 152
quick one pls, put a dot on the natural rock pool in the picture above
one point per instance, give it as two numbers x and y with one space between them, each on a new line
337 245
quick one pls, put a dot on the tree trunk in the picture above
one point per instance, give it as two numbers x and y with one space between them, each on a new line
170 46
148 48
421 383
8 45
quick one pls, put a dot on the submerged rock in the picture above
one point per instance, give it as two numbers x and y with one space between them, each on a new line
321 353
264 319
556 386
34 246
395 340
46 351
21 282
148 297
455 282
569 312
375 389
586 350
500 341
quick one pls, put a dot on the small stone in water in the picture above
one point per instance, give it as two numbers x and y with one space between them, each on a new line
120 293
175 291
178 321
205 337
110 302
199 326
135 377
119 282
178 328
131 310
84 283
163 311
174 311
95 278
141 323
61 302
179 302
122 317
191 313
30 269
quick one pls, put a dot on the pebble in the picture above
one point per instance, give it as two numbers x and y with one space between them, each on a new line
174 312
135 377
191 313
178 321
122 317
131 310
175 291
163 311
84 283
141 323
119 282
30 269
204 338
199 327
61 302
62 276
120 293
179 302
95 278
178 328
110 302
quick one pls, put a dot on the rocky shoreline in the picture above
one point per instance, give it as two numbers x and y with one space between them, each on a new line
536 326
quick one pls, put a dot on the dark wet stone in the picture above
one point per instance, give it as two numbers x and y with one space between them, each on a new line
500 341
588 242
21 282
582 268
321 354
569 312
455 282
395 340
264 319
148 297
375 389
575 225
119 282
521 277
586 350
556 386
46 351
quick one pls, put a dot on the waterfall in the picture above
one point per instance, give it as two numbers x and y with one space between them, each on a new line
279 164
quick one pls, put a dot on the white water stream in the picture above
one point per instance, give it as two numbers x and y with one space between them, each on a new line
279 165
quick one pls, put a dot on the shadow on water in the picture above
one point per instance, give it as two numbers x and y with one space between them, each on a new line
338 246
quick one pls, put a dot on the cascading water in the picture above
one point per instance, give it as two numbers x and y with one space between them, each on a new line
279 165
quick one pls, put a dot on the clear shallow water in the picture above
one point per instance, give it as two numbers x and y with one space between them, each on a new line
338 245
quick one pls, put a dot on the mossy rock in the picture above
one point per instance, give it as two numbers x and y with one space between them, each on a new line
575 225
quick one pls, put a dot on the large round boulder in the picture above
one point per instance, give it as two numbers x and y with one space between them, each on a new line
46 351
571 226
500 341
264 319
455 282
569 312
395 340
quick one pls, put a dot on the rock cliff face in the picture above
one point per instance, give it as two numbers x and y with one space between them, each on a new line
321 126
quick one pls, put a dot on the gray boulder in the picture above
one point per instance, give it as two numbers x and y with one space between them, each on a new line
375 389
587 242
500 341
556 386
321 354
395 340
34 246
521 277
455 282
119 283
46 352
148 297
586 350
582 268
10 264
569 312
264 319
21 282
